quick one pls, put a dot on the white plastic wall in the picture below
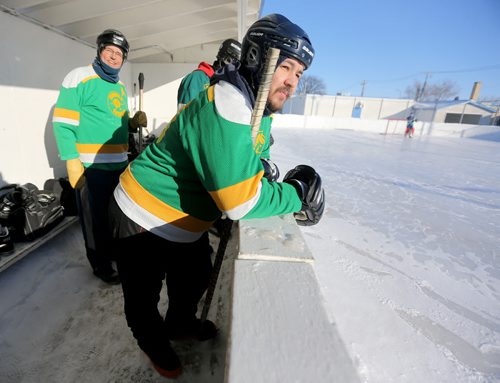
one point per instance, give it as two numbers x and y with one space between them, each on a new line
374 108
386 126
161 82
33 63
342 106
275 299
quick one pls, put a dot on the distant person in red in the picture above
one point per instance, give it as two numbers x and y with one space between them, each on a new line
410 129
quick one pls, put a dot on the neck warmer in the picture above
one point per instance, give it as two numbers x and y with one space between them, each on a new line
230 74
105 71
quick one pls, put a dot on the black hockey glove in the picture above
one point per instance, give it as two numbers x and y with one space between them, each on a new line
308 185
271 171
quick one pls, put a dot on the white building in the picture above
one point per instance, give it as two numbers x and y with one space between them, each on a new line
455 112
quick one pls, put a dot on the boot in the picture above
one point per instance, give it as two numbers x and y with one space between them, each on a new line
195 329
6 243
110 276
163 358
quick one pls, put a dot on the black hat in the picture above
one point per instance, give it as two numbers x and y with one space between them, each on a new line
114 37
275 31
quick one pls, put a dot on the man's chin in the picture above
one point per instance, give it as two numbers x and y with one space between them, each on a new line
273 107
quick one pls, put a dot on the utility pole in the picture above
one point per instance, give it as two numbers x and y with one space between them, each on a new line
363 88
417 93
423 86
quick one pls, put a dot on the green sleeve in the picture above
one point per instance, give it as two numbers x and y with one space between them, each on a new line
66 119
191 86
277 198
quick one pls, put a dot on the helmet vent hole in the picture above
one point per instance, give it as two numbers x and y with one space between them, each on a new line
253 56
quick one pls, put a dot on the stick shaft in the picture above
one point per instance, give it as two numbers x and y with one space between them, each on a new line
265 83
257 113
224 239
141 94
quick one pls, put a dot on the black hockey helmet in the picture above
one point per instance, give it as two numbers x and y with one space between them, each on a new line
114 37
275 31
229 51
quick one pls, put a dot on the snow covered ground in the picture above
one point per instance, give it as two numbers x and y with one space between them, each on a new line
60 324
408 251
407 257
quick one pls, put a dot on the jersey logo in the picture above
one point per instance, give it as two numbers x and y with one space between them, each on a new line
116 103
260 140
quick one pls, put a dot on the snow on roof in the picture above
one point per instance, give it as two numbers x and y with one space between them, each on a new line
449 103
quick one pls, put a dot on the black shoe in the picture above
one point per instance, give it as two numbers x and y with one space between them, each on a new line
111 277
163 358
195 329
6 243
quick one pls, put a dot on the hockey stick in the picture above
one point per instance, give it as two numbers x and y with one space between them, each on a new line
257 113
141 94
265 83
135 99
225 235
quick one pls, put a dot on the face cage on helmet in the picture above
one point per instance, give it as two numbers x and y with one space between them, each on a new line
229 55
229 58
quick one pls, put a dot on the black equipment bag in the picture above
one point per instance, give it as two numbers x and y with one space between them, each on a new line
29 212
64 192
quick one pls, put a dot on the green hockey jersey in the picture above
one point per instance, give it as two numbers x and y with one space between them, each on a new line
195 82
203 164
90 120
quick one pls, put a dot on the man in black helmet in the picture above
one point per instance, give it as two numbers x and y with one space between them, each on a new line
203 165
199 79
91 125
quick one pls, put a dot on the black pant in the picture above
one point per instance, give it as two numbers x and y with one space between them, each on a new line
92 202
143 261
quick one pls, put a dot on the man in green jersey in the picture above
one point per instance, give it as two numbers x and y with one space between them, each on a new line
91 125
199 79
205 164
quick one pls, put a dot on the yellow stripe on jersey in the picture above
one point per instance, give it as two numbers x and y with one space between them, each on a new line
90 78
211 93
67 113
235 195
101 148
158 208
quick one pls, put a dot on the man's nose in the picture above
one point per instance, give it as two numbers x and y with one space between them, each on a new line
292 80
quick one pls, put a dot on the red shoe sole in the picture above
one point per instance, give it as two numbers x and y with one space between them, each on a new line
168 373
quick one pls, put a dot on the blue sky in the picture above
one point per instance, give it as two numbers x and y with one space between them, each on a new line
391 43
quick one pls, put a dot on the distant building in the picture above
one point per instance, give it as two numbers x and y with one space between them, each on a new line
455 112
